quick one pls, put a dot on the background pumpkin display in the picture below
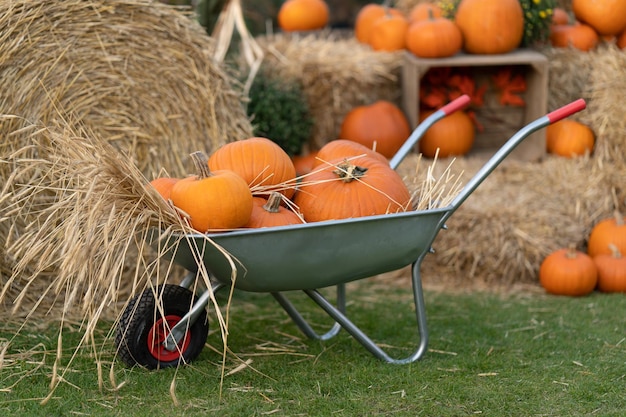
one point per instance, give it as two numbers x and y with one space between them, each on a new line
381 126
609 231
611 271
434 37
607 17
576 35
303 15
569 138
452 135
367 16
568 272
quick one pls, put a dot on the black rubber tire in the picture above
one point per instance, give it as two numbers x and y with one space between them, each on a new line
141 317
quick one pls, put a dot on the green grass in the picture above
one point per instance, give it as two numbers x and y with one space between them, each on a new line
520 355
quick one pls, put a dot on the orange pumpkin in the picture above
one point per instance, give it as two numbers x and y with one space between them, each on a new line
611 271
164 185
213 200
434 37
342 149
304 163
366 17
424 11
270 213
389 33
568 272
361 187
620 41
452 135
490 26
259 161
560 16
578 35
302 15
569 138
607 17
381 126
610 231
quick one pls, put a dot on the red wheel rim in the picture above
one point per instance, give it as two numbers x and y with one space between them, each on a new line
157 335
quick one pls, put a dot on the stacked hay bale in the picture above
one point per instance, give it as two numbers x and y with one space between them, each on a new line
336 74
135 76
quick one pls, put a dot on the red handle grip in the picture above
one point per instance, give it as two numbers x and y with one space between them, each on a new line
567 110
456 104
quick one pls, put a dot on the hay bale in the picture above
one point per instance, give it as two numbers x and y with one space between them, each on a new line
336 73
136 75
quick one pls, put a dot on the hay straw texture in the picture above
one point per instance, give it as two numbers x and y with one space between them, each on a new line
336 74
137 75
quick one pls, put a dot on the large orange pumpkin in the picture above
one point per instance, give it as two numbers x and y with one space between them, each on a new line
342 149
361 187
212 199
569 138
434 37
577 35
610 231
607 17
302 15
452 135
611 271
389 33
381 126
568 272
259 161
490 26
366 17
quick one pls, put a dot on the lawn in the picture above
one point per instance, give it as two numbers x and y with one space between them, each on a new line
524 354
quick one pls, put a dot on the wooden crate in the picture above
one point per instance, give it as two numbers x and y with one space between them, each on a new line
499 122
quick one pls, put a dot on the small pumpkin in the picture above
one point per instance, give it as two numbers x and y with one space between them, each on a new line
303 15
163 185
304 163
490 26
344 149
577 35
270 213
366 17
609 231
560 16
218 199
611 271
424 11
389 33
452 135
569 138
381 126
607 17
259 161
568 272
346 189
434 37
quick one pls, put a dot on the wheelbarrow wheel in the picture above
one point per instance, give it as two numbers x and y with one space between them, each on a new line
143 328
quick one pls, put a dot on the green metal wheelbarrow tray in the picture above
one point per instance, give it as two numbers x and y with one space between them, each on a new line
305 257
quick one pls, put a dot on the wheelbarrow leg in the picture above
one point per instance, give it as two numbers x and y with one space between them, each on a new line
302 324
368 343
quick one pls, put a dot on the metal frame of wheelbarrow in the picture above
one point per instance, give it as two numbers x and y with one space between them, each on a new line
394 241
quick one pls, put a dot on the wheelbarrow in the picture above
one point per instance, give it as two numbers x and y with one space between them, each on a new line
167 325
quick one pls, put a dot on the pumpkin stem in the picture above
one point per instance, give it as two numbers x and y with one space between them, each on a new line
348 172
273 202
201 164
571 252
615 252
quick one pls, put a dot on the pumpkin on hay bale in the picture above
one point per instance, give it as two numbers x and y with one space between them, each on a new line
135 74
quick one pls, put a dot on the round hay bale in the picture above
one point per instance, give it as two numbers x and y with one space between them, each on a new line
136 75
